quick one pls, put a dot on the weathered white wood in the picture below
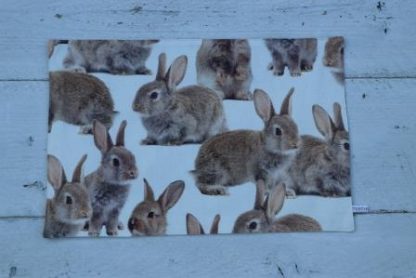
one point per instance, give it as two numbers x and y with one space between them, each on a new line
372 251
380 34
382 124
380 43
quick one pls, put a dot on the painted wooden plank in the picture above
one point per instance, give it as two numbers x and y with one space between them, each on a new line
372 251
376 45
381 117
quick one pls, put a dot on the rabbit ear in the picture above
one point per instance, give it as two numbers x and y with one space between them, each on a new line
176 72
260 190
286 108
339 123
148 192
263 105
56 173
161 69
102 139
323 122
215 223
171 195
193 227
274 201
120 134
78 176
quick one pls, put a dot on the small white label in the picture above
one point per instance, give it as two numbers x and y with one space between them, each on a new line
360 209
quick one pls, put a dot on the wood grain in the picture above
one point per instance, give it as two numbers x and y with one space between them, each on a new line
381 72
357 254
376 44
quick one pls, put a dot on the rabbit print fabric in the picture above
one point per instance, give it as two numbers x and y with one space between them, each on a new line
194 137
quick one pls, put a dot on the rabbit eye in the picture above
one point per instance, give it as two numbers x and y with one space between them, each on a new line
151 214
131 224
68 200
116 162
154 95
278 131
252 225
342 51
347 146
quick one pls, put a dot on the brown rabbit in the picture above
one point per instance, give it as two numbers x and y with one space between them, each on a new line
149 218
78 99
109 185
298 55
176 116
70 208
334 57
322 167
224 66
112 56
239 156
193 227
262 218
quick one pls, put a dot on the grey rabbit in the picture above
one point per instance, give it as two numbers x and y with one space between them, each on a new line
78 99
298 55
322 167
70 208
111 56
334 57
109 185
261 219
149 217
224 66
174 116
239 156
193 227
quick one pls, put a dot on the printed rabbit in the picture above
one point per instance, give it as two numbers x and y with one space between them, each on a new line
240 156
262 218
322 167
109 185
112 56
70 208
78 99
149 218
224 66
334 57
193 227
177 116
298 55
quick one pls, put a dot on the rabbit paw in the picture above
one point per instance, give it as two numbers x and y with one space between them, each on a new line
212 189
85 129
175 142
295 73
143 71
306 67
290 193
94 234
148 141
78 69
112 232
241 74
244 95
221 77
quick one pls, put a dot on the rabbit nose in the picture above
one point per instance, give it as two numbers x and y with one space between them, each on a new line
132 174
84 214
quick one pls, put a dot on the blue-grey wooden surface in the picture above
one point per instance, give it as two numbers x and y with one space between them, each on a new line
380 70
